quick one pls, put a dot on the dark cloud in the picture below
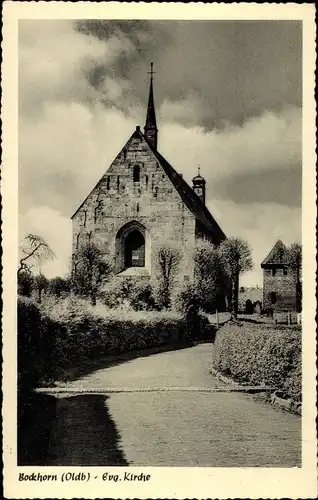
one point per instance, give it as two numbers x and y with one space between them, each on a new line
282 186
233 70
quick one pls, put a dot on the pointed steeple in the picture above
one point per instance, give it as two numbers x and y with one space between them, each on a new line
151 131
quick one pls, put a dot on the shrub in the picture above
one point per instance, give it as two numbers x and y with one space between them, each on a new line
257 354
72 331
25 283
129 293
34 347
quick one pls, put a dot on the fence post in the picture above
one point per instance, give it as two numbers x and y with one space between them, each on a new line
217 318
288 318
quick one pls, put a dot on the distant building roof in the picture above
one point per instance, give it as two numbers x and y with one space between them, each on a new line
276 256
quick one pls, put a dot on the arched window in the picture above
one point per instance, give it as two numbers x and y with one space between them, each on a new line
134 247
136 174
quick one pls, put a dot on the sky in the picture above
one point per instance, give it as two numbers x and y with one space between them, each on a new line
228 98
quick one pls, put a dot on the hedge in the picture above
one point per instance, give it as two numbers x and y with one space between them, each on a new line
259 354
64 334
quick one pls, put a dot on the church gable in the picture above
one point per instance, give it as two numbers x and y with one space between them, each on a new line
135 184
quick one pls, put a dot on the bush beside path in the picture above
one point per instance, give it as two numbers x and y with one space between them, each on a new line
260 355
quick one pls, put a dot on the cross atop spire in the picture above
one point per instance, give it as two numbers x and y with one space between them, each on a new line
151 72
151 131
199 169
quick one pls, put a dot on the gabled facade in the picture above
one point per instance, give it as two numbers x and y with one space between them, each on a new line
279 289
141 202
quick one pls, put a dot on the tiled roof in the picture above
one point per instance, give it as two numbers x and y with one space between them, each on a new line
276 256
188 196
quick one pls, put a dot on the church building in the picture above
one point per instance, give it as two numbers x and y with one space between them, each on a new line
140 203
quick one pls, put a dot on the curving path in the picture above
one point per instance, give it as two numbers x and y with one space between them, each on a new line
176 427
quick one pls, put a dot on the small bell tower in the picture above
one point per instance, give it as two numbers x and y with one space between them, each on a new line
198 186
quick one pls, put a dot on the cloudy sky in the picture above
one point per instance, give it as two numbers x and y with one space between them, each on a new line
228 98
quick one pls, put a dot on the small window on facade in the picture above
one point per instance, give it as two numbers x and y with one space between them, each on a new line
285 271
136 174
147 180
108 182
85 217
77 240
273 298
118 181
273 272
137 207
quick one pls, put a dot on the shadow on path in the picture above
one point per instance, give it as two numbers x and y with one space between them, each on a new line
113 360
74 431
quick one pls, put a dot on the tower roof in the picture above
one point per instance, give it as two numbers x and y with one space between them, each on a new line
276 256
151 123
198 179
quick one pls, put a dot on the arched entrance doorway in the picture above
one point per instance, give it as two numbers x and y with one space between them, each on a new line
134 249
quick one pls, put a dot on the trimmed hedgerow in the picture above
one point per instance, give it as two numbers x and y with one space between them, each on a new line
257 354
64 334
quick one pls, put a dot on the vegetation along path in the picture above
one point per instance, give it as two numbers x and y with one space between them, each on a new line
155 413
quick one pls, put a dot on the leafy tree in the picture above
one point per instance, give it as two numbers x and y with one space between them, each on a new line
40 284
209 278
236 258
59 285
92 269
167 258
25 283
294 262
34 250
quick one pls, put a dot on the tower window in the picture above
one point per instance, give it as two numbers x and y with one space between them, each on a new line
273 297
117 182
285 271
108 182
273 272
147 179
136 173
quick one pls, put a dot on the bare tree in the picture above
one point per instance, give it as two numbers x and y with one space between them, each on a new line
93 269
294 262
236 257
167 259
33 249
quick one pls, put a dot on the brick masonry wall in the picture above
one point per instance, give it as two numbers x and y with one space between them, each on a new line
152 202
283 286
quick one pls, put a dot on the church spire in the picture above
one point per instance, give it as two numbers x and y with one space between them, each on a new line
151 131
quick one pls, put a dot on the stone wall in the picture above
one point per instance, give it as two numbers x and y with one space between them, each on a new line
284 288
152 202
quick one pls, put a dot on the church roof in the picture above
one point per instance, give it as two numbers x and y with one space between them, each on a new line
276 256
188 196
